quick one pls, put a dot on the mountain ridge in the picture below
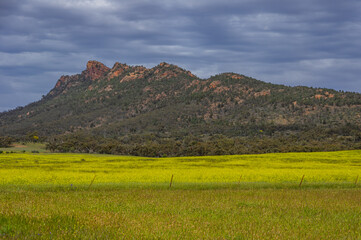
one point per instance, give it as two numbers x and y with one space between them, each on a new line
170 100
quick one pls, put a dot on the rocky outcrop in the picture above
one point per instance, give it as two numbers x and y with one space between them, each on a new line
95 70
117 70
64 83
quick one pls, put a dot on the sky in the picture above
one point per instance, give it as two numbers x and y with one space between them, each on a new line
310 42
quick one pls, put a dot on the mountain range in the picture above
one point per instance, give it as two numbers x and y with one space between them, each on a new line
171 102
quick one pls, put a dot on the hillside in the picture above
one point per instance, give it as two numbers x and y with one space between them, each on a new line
166 98
170 102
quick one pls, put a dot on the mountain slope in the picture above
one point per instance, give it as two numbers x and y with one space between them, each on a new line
172 102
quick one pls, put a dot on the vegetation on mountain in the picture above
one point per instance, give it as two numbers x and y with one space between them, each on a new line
135 110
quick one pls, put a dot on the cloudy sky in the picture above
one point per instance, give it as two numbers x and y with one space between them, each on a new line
309 42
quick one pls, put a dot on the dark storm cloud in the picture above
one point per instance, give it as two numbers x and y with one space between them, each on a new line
312 43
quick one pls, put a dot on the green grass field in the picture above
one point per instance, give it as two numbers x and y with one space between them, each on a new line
83 196
25 147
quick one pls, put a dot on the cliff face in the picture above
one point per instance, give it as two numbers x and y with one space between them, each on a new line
95 70
166 98
64 83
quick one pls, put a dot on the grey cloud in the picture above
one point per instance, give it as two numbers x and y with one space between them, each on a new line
300 43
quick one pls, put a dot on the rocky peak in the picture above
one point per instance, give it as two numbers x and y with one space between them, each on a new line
119 65
117 70
170 67
164 64
170 70
60 84
62 80
95 70
64 83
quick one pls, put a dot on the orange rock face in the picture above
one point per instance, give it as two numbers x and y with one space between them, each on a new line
262 93
117 70
116 73
95 70
132 76
237 77
214 84
61 80
221 89
60 84
168 74
164 64
319 96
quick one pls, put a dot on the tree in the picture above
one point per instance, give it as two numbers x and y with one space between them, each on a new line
6 141
32 136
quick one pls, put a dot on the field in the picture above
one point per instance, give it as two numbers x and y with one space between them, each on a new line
78 170
25 147
77 196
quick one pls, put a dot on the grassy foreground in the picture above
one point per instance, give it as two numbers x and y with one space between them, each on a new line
77 196
181 214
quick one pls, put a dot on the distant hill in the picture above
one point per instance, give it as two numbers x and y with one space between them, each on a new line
171 102
168 99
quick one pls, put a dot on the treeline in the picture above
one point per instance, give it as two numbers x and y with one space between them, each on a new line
6 141
151 146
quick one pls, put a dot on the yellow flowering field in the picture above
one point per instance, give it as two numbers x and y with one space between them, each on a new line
88 196
81 169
